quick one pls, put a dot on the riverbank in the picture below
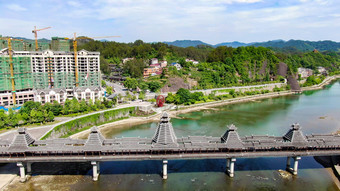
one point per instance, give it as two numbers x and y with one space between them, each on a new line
119 124
198 107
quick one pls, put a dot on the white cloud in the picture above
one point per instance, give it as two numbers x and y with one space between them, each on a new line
16 7
208 20
74 3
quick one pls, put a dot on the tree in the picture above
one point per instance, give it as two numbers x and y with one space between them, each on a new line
3 119
134 68
104 66
154 86
33 116
131 83
13 118
184 95
170 98
141 95
83 106
50 116
29 106
56 108
109 90
25 117
103 83
40 117
143 85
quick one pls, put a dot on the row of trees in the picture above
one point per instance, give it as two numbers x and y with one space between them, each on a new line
184 96
35 112
133 83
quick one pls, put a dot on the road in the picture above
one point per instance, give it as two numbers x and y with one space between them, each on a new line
118 88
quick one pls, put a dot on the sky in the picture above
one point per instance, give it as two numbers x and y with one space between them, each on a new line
211 21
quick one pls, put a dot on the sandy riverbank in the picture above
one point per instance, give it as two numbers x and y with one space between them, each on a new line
118 124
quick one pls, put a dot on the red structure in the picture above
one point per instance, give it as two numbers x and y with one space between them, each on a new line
160 101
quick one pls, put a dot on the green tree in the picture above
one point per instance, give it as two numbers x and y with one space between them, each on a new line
3 119
143 85
56 108
134 68
33 116
40 117
131 83
25 117
103 83
184 95
50 116
154 86
83 106
141 95
170 98
109 90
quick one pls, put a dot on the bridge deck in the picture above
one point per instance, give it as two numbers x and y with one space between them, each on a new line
165 144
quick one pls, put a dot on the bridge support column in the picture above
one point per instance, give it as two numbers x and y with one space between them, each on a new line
29 167
293 170
95 169
288 163
296 163
165 169
230 166
22 171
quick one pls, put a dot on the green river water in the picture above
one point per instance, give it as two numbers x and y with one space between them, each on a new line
316 111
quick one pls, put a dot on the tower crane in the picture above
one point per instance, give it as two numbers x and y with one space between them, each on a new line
75 38
10 53
36 36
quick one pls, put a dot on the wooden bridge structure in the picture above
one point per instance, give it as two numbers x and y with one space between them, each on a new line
164 145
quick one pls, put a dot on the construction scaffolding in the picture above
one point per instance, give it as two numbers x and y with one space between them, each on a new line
60 44
24 45
22 73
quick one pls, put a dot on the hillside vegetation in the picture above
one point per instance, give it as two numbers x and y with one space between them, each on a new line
218 67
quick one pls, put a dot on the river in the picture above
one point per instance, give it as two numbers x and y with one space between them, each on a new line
316 112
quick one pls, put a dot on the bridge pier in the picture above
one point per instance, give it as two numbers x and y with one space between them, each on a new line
230 166
293 170
165 169
22 171
95 169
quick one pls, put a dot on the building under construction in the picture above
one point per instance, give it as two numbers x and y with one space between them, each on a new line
25 45
48 76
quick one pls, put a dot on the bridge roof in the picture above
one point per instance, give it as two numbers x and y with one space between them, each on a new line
165 139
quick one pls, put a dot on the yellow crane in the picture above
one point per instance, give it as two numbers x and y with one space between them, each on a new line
36 36
75 38
10 53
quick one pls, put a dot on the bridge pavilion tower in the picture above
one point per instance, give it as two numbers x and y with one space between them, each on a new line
232 141
296 139
164 138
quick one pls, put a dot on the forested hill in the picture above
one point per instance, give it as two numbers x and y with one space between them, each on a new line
218 67
187 43
300 45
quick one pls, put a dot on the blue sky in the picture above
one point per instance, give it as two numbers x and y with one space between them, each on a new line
212 21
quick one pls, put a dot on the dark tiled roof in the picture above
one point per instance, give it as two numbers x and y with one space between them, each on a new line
95 140
231 138
165 135
295 135
21 141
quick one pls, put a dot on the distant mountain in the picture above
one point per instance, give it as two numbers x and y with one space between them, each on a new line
300 45
44 40
234 44
186 43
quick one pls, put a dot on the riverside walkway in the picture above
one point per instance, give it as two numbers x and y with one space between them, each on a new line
164 145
